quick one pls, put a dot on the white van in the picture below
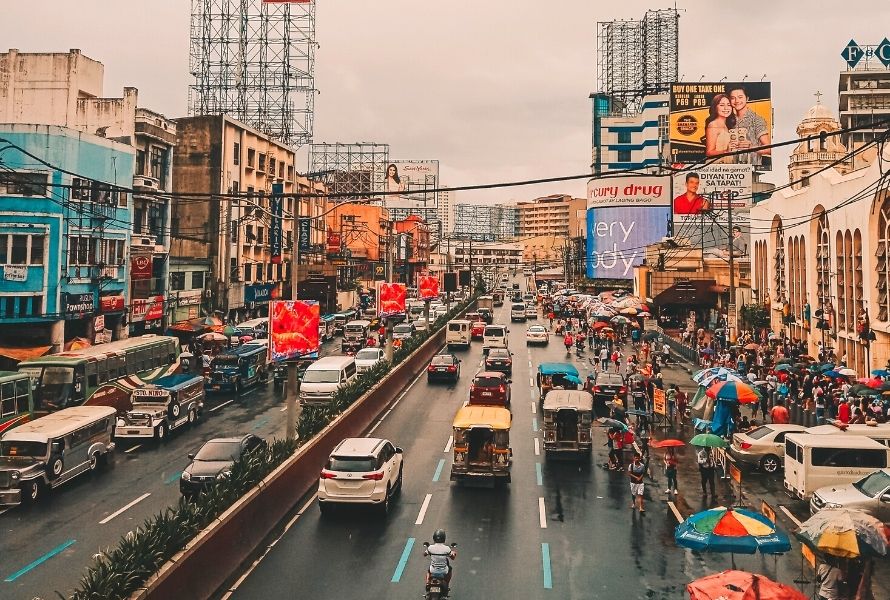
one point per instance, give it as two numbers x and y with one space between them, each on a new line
324 377
457 333
880 432
494 336
815 461
517 311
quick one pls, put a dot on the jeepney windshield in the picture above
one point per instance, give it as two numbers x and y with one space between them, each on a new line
53 385
16 449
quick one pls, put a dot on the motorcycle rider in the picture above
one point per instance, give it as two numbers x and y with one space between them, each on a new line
441 556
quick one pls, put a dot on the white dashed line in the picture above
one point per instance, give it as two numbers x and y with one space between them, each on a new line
531 382
676 512
125 508
133 449
787 512
226 403
542 513
448 445
537 447
534 407
423 507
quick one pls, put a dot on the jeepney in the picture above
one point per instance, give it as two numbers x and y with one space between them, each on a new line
341 319
238 368
167 404
355 336
551 376
482 444
325 328
568 418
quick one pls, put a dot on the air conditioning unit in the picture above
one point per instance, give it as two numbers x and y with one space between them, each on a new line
142 242
143 182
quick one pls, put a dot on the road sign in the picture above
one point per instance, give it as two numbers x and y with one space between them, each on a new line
735 473
658 402
767 511
808 554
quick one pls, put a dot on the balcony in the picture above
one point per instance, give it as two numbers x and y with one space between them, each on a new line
145 183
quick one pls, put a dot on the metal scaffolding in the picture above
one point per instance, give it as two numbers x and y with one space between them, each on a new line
355 169
255 61
637 58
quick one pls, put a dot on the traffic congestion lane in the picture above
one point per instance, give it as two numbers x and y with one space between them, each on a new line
48 545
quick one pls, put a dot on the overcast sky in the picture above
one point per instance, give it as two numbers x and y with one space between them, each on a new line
497 90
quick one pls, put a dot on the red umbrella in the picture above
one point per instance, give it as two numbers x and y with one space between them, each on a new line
600 325
740 585
872 382
670 443
733 390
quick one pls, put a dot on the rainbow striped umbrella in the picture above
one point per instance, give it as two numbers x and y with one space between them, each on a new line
733 390
735 530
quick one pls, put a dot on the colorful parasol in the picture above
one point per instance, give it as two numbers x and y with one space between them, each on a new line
708 440
783 367
740 585
734 391
752 346
845 532
670 443
735 530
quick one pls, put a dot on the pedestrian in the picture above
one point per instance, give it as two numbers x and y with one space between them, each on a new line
682 404
635 472
671 397
830 578
644 351
705 460
604 359
779 414
550 316
843 411
616 359
670 470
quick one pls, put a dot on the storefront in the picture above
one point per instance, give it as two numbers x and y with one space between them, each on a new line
107 325
147 315
187 305
79 311
257 298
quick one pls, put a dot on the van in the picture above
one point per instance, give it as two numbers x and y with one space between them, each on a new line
815 461
517 311
47 452
325 376
880 432
457 333
494 336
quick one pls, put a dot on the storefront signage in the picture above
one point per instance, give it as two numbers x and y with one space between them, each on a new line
147 309
260 293
111 304
333 242
305 235
276 207
15 272
141 267
99 323
76 306
189 298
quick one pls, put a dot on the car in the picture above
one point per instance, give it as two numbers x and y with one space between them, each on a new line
871 494
366 358
214 461
440 312
763 447
606 386
420 324
495 336
403 331
537 334
472 317
490 388
443 367
361 471
528 298
531 312
487 315
517 312
477 329
499 359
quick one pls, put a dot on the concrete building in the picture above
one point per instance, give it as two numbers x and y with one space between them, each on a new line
484 222
228 232
445 211
813 155
486 255
547 227
628 142
357 241
413 248
864 101
63 239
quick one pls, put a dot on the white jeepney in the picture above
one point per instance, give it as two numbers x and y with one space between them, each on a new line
167 404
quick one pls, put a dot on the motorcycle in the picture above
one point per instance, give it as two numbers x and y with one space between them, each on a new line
437 587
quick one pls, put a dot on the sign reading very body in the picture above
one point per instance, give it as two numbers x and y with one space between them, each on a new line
623 216
701 207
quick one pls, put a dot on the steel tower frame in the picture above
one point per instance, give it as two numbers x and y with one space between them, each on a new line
355 169
255 61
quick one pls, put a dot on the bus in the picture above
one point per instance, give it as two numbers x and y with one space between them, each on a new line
103 375
16 404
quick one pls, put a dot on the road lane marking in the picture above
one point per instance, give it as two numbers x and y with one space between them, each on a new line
130 505
403 561
407 389
794 519
539 474
676 511
376 425
545 559
542 513
482 362
423 507
535 424
531 382
260 422
173 477
529 364
438 472
133 449
448 444
226 403
537 447
33 565
534 407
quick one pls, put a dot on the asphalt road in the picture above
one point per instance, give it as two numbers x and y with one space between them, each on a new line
46 547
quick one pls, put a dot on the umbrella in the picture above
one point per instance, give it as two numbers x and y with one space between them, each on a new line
845 532
710 379
785 361
620 320
700 376
740 585
733 530
707 351
606 422
212 337
669 443
806 357
600 325
230 330
826 367
651 335
733 390
783 367
572 379
629 311
881 373
752 346
708 440
645 314
873 383
831 373
862 390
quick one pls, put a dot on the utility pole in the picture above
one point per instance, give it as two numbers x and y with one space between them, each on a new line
227 257
565 267
390 260
731 318
293 391
447 270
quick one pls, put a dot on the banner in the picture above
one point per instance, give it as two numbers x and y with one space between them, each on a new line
391 299
75 306
276 207
624 215
111 304
141 267
710 119
427 287
147 309
304 235
293 329
411 176
659 403
333 242
702 198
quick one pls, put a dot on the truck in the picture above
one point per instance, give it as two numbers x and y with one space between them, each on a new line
498 297
485 308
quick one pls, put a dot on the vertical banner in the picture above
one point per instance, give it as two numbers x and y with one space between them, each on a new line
276 206
304 235
427 287
293 329
391 299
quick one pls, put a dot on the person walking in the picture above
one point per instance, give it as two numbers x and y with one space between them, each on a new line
830 578
779 414
670 470
635 472
705 458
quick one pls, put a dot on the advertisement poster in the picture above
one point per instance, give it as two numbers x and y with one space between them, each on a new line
391 299
702 198
659 403
624 215
710 119
141 267
276 235
427 287
293 329
411 176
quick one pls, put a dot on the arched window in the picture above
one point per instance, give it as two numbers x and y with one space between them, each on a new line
779 263
841 281
823 255
882 269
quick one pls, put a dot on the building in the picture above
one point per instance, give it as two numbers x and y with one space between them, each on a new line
224 217
491 255
864 101
822 251
413 244
357 242
63 237
445 212
637 141
482 222
810 156
547 227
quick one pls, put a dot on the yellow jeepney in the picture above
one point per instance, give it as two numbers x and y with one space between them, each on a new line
482 444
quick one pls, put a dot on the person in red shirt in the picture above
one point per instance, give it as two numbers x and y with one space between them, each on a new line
691 202
843 411
779 414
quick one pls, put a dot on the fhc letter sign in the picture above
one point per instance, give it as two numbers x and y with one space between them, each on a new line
624 214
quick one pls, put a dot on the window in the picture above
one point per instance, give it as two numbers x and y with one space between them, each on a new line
272 165
259 234
158 162
248 272
844 457
259 272
19 250
624 156
290 173
663 128
177 280
23 184
197 280
623 137
251 158
236 153
112 252
248 234
280 170
262 164
81 250
269 271
140 162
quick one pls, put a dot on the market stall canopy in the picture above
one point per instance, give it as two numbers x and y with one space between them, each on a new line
740 585
23 353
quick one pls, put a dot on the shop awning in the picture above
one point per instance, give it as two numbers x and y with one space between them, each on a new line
20 354
697 292
190 326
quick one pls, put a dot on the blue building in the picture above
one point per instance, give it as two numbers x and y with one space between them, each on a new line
623 141
64 237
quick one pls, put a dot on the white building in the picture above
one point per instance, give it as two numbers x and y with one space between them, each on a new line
629 142
475 255
445 211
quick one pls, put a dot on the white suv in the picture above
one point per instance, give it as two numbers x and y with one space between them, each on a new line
361 471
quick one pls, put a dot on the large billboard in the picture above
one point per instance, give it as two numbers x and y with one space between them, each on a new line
702 198
427 287
411 176
708 120
391 299
293 329
624 215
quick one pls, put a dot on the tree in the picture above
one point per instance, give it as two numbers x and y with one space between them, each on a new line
754 316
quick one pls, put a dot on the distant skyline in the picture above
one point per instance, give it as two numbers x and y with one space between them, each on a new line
496 91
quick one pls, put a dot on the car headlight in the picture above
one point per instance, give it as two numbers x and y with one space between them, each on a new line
121 423
224 474
15 474
186 476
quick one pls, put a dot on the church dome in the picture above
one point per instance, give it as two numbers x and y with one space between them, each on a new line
819 111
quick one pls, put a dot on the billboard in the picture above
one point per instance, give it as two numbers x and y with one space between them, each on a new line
276 207
427 287
391 299
411 176
702 198
624 215
293 329
710 119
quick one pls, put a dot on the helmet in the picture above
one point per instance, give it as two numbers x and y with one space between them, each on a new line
439 536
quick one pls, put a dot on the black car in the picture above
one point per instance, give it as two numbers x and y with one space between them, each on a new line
500 360
606 387
487 315
214 461
443 367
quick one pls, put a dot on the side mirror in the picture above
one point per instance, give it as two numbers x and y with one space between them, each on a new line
509 381
191 455
399 450
885 497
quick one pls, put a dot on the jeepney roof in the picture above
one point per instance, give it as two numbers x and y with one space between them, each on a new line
177 381
59 423
491 416
557 368
577 399
359 323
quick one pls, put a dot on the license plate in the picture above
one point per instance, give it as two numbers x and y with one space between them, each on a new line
486 393
436 589
132 432
442 369
216 387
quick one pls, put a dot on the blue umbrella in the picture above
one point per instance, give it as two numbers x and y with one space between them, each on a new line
881 373
783 368
572 379
831 374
